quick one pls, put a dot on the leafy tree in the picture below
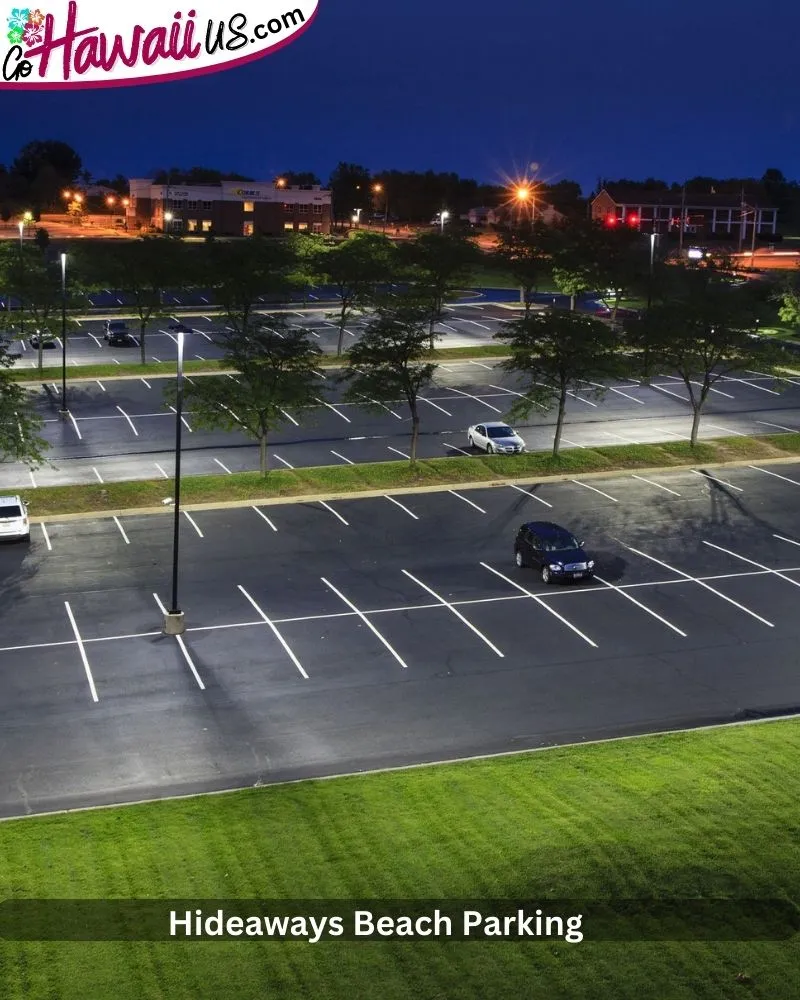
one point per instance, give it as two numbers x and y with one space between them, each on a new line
702 336
440 264
42 238
47 166
243 273
302 178
556 353
275 368
621 264
788 297
355 267
36 283
19 421
350 189
525 253
577 262
389 361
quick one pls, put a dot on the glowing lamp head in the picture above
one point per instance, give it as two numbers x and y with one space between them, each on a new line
633 219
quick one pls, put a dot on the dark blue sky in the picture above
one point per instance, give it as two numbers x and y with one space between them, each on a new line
585 89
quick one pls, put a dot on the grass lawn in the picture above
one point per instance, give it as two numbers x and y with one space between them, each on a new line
704 814
47 501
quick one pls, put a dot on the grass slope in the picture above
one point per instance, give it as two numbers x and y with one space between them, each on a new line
688 815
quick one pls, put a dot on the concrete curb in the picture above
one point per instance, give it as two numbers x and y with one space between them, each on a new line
406 490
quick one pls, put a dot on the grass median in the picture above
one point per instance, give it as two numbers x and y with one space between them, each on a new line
48 501
685 816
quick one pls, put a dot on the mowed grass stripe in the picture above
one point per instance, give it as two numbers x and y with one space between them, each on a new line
696 814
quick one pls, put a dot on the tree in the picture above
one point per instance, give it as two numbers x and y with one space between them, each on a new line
788 297
19 422
301 178
577 262
389 361
703 336
243 274
42 239
621 261
355 267
47 166
525 253
350 189
556 353
275 368
36 283
439 264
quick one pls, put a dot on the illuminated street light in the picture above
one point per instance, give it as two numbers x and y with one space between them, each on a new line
64 412
444 215
280 182
78 198
525 193
174 623
66 195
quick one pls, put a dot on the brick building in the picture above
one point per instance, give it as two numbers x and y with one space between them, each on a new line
721 215
230 208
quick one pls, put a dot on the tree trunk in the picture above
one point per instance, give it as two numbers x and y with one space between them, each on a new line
616 306
572 299
562 405
342 321
414 432
142 328
431 325
263 458
696 422
40 351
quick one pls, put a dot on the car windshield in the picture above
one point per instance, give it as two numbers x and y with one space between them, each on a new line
559 542
8 510
499 432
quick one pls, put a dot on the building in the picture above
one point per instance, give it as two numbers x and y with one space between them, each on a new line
229 208
720 215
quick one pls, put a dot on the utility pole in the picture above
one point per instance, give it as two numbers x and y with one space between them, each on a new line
753 243
742 221
683 219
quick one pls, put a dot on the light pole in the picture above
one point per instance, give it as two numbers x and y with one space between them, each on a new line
64 412
174 623
650 282
22 283
378 188
444 215
167 220
523 194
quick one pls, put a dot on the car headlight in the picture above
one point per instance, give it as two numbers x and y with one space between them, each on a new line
555 567
590 564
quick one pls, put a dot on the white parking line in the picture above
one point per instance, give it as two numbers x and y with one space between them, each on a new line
121 530
161 470
444 326
677 395
277 634
75 425
650 481
95 339
397 452
332 407
100 384
594 490
377 402
789 540
82 650
283 460
335 513
424 399
290 417
470 396
541 603
223 467
775 474
460 497
619 392
639 604
528 493
124 414
264 516
727 430
695 382
99 477
715 480
766 423
33 481
184 421
191 521
619 437
147 383
455 611
572 444
203 334
367 622
775 572
745 381
581 399
475 323
480 364
456 448
200 357
183 649
402 507
700 583
46 536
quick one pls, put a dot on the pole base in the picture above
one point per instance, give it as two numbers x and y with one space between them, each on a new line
64 414
174 623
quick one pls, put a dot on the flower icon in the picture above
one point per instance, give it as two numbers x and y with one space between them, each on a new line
36 17
15 36
33 33
18 19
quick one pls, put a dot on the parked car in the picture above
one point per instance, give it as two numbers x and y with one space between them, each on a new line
180 328
553 550
14 523
117 333
495 437
46 338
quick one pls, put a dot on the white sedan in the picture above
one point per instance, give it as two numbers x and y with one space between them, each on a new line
495 438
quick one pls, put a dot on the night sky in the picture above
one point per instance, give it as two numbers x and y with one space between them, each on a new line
584 89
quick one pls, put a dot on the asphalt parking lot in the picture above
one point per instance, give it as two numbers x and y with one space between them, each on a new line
326 638
122 429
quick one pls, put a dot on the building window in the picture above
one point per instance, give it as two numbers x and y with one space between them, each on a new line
176 225
302 225
247 229
192 206
288 225
287 208
191 225
248 206
206 225
302 209
317 209
207 206
316 227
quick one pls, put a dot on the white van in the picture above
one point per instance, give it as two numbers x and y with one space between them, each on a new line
14 523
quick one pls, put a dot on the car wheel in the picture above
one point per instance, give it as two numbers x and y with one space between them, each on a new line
490 449
518 559
471 442
546 574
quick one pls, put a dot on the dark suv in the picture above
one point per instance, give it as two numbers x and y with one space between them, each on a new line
553 550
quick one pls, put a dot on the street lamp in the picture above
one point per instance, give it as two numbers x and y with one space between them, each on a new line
653 237
525 193
167 220
378 189
64 412
357 216
22 276
174 623
444 215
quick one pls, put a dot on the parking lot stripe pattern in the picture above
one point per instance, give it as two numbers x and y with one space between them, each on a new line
398 619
